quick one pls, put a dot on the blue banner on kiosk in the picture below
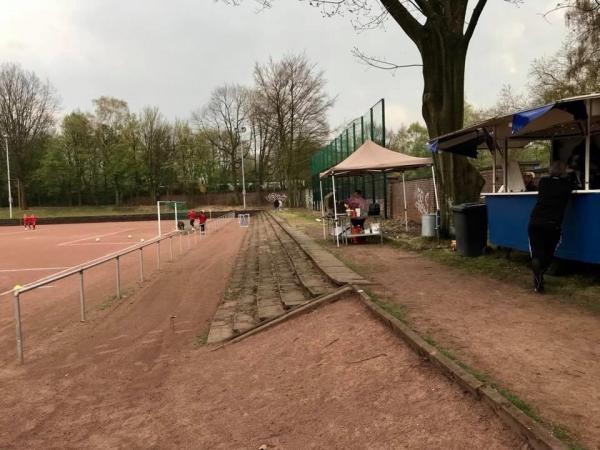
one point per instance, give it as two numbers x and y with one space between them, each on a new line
522 119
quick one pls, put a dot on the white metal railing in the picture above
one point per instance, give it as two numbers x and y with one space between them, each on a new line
215 224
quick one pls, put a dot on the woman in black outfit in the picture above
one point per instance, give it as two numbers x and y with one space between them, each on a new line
546 220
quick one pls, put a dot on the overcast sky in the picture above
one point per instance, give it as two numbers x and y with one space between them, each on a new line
172 53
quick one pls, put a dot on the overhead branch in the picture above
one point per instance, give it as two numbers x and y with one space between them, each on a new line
404 18
380 63
474 19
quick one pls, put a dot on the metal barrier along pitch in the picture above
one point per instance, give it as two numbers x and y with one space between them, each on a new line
215 224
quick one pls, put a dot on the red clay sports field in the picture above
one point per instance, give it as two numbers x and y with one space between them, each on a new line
28 255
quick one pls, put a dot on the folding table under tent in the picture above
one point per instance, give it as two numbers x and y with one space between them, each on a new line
373 158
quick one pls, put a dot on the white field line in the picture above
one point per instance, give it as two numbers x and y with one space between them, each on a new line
94 236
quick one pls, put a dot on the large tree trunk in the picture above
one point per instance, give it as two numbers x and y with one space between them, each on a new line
444 56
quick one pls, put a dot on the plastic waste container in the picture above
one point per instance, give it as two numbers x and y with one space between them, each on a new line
470 227
428 225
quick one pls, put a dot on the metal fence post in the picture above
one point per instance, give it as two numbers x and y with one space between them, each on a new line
118 266
171 245
81 296
17 308
142 264
158 255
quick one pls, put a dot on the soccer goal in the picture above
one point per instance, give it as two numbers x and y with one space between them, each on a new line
178 210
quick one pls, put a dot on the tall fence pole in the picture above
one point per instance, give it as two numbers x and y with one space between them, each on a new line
118 267
142 264
17 308
81 296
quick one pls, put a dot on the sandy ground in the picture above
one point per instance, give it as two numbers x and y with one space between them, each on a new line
546 352
80 379
26 256
335 378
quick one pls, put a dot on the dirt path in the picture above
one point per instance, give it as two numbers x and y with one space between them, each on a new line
335 378
87 382
545 352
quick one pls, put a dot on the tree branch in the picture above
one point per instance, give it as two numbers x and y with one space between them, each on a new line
474 19
404 18
380 63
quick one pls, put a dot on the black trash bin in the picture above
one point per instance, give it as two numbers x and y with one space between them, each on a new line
470 227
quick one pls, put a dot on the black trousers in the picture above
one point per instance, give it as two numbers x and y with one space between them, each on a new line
543 241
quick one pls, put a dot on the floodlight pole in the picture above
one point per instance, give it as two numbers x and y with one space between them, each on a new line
243 130
10 199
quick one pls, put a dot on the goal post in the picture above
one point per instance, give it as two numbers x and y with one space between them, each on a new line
167 207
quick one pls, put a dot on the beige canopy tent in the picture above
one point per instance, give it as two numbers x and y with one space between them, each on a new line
373 158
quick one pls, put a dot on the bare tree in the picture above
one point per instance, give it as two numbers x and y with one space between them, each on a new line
155 139
27 107
222 120
292 93
442 31
575 69
262 141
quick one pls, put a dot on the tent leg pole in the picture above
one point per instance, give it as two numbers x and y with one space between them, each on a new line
385 199
588 141
335 221
437 204
322 209
405 205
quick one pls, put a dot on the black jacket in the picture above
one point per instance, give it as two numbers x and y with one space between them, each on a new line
553 196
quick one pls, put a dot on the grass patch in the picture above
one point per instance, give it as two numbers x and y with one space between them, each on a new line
580 286
107 303
560 432
397 311
582 289
201 338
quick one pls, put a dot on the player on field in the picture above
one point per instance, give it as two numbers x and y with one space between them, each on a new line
192 216
202 221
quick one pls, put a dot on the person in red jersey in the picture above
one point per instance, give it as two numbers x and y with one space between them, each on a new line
192 216
202 221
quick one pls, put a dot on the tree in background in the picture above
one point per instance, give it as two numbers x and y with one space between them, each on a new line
78 141
27 108
221 121
575 69
442 32
291 93
155 144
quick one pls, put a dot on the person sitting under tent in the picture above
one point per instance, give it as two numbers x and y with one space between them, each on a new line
528 179
357 201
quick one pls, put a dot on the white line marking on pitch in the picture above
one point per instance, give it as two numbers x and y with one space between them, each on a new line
33 269
94 236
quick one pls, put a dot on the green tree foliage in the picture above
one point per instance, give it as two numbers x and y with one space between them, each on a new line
575 69
27 107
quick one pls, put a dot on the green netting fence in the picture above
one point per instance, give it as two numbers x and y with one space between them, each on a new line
373 186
